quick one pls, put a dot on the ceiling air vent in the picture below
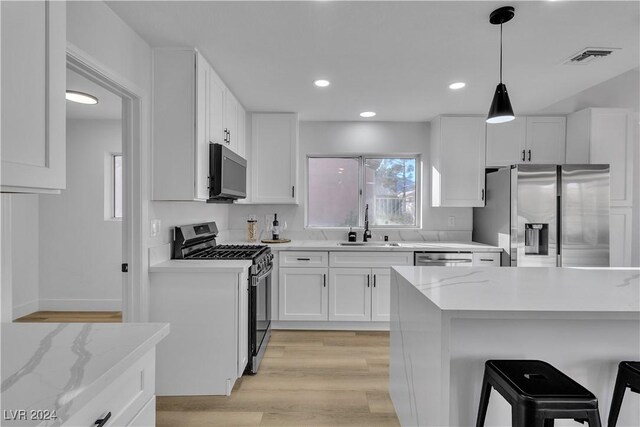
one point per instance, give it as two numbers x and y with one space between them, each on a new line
589 54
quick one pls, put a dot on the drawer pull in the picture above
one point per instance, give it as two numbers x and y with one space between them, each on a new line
374 280
368 280
486 259
324 280
102 421
304 259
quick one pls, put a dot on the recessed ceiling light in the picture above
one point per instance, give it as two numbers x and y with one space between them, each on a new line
457 85
80 97
322 83
367 114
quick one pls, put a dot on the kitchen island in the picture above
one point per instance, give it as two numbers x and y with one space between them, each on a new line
446 322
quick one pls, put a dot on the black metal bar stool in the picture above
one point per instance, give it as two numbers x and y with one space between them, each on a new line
628 376
537 392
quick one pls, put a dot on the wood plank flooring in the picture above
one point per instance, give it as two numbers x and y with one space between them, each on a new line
73 317
307 378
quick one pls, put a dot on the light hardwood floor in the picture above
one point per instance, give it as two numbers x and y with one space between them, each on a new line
307 378
73 317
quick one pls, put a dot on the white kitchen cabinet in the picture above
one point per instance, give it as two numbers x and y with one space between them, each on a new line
242 132
304 259
546 140
217 91
303 294
147 415
457 161
33 37
381 294
605 135
506 142
486 259
369 259
231 120
350 294
620 232
243 323
274 158
181 79
535 140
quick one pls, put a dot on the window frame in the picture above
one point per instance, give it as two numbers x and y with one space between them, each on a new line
362 158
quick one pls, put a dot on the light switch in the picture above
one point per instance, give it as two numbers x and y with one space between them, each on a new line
452 221
155 227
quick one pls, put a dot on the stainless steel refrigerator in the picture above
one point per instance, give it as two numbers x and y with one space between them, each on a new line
547 215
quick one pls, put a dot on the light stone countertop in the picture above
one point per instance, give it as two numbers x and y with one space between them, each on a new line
200 266
520 289
62 366
404 246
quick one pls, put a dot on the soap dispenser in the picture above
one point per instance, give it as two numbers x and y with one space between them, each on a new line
352 235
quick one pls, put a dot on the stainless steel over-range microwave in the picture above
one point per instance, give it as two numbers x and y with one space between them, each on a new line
227 175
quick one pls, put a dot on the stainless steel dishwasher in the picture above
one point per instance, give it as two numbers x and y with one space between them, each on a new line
443 259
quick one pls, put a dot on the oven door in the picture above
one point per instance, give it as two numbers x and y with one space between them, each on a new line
259 319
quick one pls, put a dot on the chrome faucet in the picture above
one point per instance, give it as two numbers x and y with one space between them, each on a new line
367 233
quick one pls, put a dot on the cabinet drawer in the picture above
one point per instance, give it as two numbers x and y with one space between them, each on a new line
370 259
303 259
486 259
124 397
147 415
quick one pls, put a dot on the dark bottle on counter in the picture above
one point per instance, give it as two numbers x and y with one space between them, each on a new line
276 228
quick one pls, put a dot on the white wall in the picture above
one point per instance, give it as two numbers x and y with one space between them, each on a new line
356 138
24 253
80 245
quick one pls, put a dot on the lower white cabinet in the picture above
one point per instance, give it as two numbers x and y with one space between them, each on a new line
303 293
381 295
486 259
350 294
147 415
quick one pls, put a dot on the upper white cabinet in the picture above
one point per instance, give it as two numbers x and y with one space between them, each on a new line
538 140
33 74
274 158
191 108
605 135
458 161
242 132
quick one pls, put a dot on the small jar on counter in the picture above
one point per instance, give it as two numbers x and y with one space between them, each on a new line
252 229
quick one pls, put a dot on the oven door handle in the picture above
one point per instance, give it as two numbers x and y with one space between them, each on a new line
255 280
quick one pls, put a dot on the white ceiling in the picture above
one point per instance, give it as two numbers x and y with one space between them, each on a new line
395 58
109 106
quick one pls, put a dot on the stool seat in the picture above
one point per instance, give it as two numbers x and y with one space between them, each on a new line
538 379
628 377
537 392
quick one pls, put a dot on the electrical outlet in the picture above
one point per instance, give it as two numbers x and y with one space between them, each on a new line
156 224
452 221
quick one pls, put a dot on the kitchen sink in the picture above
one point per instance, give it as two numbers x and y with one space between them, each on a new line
377 244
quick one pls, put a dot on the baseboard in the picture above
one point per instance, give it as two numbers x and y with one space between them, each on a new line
80 305
330 326
24 309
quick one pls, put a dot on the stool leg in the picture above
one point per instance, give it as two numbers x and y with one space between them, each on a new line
484 401
549 422
594 418
616 400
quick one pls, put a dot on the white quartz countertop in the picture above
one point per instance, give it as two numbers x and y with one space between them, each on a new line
527 288
333 245
200 266
62 366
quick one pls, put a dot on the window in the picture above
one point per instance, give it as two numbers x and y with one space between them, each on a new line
339 188
117 186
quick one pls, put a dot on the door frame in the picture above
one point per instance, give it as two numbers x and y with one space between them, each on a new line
134 105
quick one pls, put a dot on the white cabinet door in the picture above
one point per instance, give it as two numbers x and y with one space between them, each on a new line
546 138
381 294
303 294
231 120
242 132
243 322
203 74
350 294
217 91
506 142
274 158
458 161
147 415
33 37
620 233
486 259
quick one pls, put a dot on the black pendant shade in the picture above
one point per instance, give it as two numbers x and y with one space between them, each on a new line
500 110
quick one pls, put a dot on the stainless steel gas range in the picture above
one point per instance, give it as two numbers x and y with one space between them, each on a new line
198 241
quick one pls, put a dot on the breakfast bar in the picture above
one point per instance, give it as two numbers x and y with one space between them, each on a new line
446 322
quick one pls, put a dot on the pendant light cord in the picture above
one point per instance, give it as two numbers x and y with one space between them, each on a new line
501 52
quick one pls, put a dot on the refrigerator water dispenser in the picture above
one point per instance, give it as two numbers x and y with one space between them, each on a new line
536 239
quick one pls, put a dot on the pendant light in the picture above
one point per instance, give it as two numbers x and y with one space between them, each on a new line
501 111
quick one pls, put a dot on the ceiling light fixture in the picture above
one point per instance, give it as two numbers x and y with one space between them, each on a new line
322 83
81 97
367 114
501 110
457 85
